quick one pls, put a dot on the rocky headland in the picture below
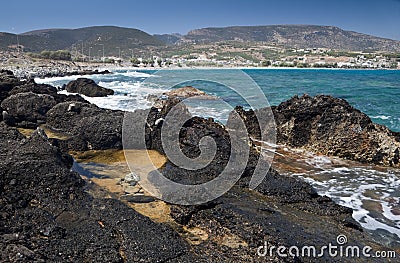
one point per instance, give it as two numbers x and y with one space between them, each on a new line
50 213
330 126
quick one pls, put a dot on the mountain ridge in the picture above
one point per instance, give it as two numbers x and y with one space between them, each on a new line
116 39
300 36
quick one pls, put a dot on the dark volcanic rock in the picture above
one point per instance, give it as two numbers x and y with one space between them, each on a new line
7 82
151 121
31 86
90 127
46 216
28 110
298 117
10 85
288 190
240 221
65 98
332 126
190 135
88 88
299 194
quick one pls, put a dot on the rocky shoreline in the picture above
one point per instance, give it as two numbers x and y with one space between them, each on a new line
25 67
48 213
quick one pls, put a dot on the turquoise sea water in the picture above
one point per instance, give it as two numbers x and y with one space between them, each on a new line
374 92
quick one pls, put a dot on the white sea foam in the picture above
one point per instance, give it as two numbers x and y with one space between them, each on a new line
134 74
354 189
130 94
368 222
319 161
206 112
382 117
53 80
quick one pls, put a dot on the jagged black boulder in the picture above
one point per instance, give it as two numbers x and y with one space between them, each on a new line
89 127
28 110
32 86
330 126
88 88
7 82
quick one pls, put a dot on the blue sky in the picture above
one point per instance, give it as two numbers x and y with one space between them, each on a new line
378 17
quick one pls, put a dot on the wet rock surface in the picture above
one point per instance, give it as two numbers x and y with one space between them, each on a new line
88 88
178 94
46 216
236 228
282 210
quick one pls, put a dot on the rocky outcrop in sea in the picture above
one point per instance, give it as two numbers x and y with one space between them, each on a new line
330 126
88 88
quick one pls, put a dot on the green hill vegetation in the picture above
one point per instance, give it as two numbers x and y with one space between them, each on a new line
114 40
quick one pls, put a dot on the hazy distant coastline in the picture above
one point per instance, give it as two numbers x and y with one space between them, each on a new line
282 46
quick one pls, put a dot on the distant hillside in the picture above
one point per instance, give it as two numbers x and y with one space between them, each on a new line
300 36
113 38
9 41
169 39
